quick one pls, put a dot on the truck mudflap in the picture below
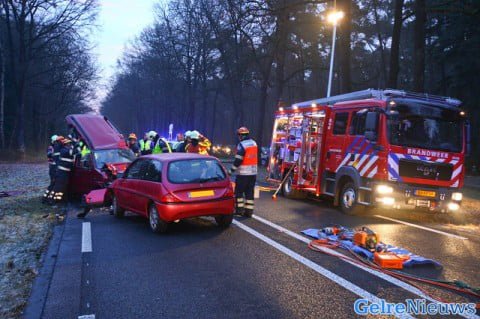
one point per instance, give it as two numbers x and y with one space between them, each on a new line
97 198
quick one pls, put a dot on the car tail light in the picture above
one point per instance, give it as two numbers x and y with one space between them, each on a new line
169 198
229 192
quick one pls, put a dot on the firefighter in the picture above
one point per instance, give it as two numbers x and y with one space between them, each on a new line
245 165
145 145
53 151
133 145
198 144
64 167
160 145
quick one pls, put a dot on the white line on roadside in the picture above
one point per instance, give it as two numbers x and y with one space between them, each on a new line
319 269
86 238
421 227
86 317
381 275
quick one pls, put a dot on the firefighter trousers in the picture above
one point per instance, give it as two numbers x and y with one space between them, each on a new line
61 186
52 171
244 192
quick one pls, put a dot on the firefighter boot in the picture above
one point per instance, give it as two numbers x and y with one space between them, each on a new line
239 206
249 206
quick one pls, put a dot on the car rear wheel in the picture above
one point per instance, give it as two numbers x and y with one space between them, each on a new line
118 211
157 225
349 200
224 220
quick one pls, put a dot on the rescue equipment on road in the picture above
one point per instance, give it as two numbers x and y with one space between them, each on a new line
386 259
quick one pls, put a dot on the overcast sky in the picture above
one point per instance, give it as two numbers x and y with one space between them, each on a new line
120 22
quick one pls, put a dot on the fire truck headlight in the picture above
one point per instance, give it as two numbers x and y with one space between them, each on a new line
384 189
386 200
453 206
457 196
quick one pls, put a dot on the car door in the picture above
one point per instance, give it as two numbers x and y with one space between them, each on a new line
335 148
82 181
126 186
149 186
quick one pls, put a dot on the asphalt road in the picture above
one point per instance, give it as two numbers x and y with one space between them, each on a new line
251 270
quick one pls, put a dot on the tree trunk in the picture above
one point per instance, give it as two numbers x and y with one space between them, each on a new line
2 97
383 67
345 30
395 49
280 54
419 46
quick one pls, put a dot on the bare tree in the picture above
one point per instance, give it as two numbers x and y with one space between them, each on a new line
31 26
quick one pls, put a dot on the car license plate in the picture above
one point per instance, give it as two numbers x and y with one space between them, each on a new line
199 194
423 193
423 203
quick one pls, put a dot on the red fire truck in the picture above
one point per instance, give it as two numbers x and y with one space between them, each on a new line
372 148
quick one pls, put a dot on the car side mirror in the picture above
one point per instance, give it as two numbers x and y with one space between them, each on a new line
371 124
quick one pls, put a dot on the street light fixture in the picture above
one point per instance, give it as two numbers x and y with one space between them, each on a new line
333 17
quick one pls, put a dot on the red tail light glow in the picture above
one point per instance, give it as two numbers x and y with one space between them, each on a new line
229 192
169 198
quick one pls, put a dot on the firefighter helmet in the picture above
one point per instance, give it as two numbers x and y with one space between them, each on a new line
60 138
194 135
66 141
53 138
132 136
243 130
152 134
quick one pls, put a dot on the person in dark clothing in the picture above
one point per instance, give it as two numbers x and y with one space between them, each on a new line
53 153
133 145
246 166
64 167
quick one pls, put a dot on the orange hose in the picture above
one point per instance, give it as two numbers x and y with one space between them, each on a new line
315 244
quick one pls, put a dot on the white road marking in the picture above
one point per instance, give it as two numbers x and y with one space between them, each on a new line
421 227
310 264
86 238
86 317
376 273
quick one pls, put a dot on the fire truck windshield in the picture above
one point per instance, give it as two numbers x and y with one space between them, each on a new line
426 126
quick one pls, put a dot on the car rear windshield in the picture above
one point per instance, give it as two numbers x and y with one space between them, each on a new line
195 171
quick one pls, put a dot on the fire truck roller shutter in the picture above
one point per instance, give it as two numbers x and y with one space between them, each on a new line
347 174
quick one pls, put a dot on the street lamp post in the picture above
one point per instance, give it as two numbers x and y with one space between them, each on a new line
333 18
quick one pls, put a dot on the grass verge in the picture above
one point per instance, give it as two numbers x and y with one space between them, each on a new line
25 229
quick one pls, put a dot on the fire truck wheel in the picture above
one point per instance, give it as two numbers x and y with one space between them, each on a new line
349 200
289 192
118 211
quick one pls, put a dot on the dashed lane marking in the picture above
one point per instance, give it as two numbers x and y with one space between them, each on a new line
421 227
86 317
317 268
86 238
378 274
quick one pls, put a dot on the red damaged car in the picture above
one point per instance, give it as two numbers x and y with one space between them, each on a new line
169 187
108 153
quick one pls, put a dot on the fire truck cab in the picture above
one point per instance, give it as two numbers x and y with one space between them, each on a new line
386 148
